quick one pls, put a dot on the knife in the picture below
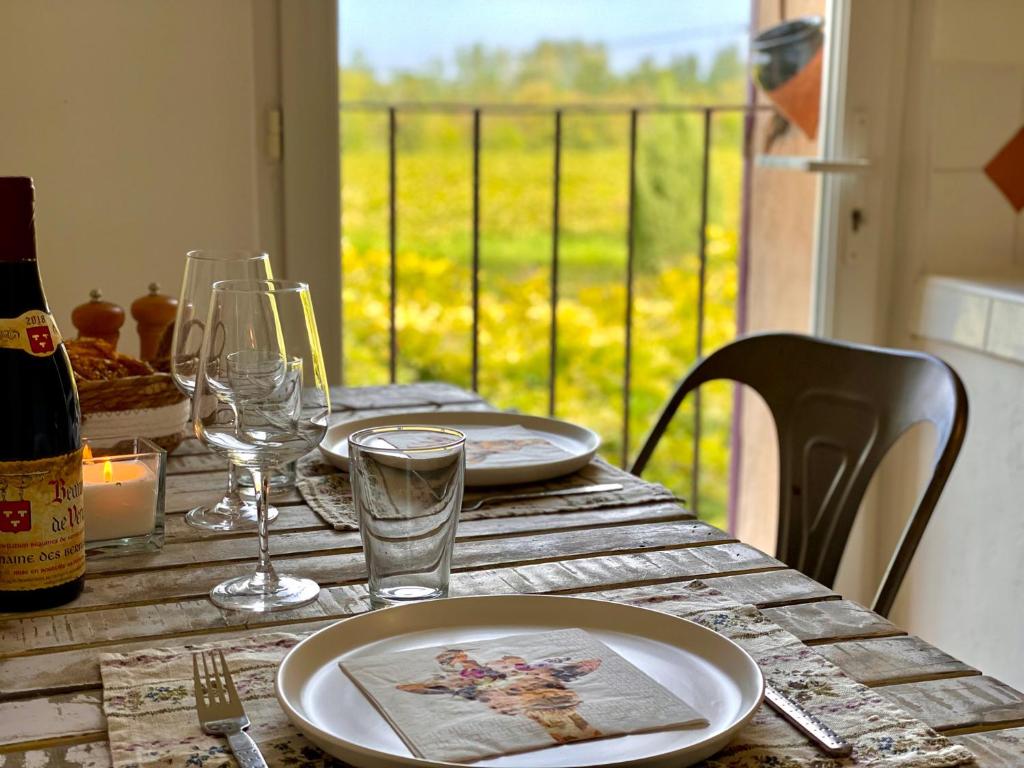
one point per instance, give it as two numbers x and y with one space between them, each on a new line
830 742
598 488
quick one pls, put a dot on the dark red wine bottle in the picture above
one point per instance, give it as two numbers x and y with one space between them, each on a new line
42 523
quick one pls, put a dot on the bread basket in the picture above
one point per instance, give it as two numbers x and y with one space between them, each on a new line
140 406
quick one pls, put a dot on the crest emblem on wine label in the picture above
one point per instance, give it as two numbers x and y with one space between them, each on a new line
40 341
33 332
15 516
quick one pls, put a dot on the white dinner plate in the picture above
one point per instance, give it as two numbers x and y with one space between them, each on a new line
705 669
578 443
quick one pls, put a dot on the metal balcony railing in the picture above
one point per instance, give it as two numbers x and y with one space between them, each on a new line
707 113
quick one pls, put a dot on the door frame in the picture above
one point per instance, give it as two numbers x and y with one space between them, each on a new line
863 90
310 172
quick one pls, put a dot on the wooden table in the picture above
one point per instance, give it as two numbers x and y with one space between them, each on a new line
51 698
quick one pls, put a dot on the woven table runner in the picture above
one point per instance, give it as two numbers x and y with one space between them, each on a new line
328 493
150 706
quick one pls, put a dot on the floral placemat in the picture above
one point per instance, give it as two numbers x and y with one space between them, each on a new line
150 706
328 493
149 701
882 734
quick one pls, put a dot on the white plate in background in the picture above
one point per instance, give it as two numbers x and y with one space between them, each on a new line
578 443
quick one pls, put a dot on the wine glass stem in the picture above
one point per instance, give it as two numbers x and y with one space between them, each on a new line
232 495
261 486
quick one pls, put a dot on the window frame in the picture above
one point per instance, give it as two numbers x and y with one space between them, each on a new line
310 187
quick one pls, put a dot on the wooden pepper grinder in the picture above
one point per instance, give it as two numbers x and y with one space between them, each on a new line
98 319
153 313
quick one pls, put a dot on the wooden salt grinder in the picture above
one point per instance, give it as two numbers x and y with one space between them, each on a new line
153 313
98 319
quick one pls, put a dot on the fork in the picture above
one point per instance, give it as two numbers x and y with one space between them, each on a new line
599 488
220 709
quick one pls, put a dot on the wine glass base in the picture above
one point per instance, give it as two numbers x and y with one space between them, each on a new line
246 594
227 516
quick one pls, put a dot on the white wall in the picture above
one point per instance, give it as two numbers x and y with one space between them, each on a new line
138 121
965 99
965 589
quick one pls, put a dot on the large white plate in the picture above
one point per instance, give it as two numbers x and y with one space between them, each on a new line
707 670
580 443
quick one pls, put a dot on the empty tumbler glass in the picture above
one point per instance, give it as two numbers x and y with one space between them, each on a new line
407 486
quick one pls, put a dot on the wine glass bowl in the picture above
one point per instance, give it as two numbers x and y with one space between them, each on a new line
261 400
260 403
202 269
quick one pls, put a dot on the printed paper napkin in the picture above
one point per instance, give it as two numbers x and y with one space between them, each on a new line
510 446
501 696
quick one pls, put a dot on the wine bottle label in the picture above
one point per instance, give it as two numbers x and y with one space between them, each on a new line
42 522
33 332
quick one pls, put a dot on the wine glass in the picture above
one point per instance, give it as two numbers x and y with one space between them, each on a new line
202 269
262 400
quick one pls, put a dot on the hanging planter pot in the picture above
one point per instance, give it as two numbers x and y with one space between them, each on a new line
787 65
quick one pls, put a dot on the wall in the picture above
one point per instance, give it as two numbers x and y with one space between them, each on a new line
965 99
138 121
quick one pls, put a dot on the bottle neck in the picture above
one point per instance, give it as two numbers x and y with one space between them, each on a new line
17 220
20 288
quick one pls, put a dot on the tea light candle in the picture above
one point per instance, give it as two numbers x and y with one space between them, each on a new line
120 498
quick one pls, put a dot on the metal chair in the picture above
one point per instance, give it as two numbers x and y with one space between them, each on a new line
838 408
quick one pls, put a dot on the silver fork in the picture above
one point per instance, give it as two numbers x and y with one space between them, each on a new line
220 709
599 488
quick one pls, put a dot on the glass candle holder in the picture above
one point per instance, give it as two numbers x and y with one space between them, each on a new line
124 480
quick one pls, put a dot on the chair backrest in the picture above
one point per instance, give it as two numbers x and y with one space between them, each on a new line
838 409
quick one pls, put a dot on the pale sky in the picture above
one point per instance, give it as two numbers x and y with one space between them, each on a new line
408 34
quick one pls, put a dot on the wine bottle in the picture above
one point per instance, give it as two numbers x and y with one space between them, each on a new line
42 525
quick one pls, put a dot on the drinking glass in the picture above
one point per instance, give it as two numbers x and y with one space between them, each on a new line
407 484
202 269
262 400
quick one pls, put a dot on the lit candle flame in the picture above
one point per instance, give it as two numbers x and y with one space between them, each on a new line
108 472
86 452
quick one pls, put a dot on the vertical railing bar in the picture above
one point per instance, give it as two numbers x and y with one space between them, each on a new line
476 250
392 241
701 279
742 287
555 215
341 234
627 369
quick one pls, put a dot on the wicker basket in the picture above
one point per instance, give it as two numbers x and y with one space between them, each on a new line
140 406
